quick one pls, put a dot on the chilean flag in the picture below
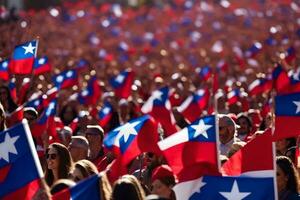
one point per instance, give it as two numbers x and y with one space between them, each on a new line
192 152
4 75
84 190
65 79
159 107
253 50
15 117
193 106
287 112
290 54
20 169
260 86
204 72
233 96
41 66
12 88
251 160
82 64
35 101
91 94
220 188
23 58
122 83
105 114
281 80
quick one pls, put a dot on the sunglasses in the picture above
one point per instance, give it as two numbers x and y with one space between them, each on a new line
51 156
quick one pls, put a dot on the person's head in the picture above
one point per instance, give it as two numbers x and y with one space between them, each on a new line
59 162
227 128
67 114
65 135
127 187
83 169
95 135
79 148
2 118
245 124
162 181
287 176
30 114
61 185
283 145
6 99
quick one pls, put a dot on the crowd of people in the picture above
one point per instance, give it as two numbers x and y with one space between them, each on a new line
164 46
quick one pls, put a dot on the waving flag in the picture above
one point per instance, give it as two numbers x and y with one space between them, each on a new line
290 54
91 94
105 114
35 101
220 188
12 88
250 160
82 64
204 72
192 151
287 111
281 80
15 117
18 155
159 107
26 83
253 50
233 96
260 86
65 79
193 106
4 75
41 66
122 84
84 190
23 58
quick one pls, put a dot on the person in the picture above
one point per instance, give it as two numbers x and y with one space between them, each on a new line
127 187
79 148
245 128
287 179
2 118
30 114
65 135
283 145
6 99
163 181
227 131
67 114
61 184
95 135
83 169
59 163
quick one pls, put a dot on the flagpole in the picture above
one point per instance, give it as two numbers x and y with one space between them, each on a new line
216 124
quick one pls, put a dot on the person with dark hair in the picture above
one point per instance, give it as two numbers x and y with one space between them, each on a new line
67 114
246 128
6 99
95 135
61 185
59 163
127 187
83 169
79 148
287 179
283 145
163 180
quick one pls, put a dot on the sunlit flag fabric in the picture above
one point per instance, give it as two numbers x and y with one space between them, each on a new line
287 116
20 170
193 106
122 83
23 58
220 188
4 75
281 80
251 160
192 151
105 114
65 79
159 107
91 94
23 90
15 117
41 65
84 190
233 96
12 88
260 86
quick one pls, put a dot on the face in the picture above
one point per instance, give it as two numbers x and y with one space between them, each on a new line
281 179
224 134
161 189
52 159
281 145
76 152
77 175
244 127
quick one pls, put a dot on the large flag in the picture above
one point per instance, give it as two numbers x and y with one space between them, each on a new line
251 160
122 83
20 169
287 112
41 66
220 188
193 106
159 106
84 190
65 79
4 75
192 151
23 58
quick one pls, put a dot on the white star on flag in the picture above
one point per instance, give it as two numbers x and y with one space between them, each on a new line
200 129
84 93
5 64
126 130
106 110
120 78
69 74
29 48
297 103
60 78
8 146
157 95
50 108
41 61
235 194
186 189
